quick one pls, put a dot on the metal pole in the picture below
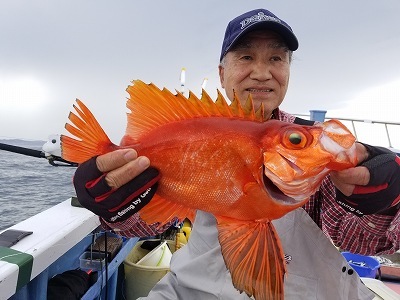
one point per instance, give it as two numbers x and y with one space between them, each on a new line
387 134
183 79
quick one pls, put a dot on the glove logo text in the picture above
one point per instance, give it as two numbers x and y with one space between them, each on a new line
130 207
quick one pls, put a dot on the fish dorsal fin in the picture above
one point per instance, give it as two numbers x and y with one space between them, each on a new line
254 257
223 106
151 107
199 107
209 104
240 110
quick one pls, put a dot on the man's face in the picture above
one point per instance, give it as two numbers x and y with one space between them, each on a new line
259 64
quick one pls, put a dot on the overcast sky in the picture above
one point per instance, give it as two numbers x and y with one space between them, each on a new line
52 52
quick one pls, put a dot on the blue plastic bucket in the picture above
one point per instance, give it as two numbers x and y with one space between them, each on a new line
365 266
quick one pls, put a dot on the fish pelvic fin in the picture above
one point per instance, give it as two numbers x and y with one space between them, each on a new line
89 138
253 254
151 107
162 211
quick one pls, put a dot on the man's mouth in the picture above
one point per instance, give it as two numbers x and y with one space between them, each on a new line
259 90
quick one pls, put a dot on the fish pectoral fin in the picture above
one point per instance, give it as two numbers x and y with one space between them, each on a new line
254 257
163 211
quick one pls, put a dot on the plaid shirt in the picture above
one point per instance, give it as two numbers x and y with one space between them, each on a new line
369 235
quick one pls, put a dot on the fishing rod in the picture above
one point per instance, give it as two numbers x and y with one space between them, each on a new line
53 160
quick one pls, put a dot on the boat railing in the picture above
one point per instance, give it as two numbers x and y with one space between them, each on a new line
388 128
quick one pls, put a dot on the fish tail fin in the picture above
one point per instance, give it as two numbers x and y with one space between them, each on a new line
253 254
90 138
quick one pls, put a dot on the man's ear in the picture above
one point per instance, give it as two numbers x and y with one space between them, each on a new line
221 75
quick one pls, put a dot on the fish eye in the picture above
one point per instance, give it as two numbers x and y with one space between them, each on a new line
295 140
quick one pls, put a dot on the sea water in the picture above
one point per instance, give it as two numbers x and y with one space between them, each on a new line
29 185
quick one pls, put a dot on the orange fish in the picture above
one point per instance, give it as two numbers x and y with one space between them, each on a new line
226 160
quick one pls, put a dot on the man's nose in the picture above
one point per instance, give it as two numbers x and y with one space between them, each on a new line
261 71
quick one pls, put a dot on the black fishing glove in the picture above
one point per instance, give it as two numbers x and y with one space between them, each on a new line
113 205
382 194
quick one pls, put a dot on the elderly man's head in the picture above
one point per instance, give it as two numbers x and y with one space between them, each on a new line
255 58
257 19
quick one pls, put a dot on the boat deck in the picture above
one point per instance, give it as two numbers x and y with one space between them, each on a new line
60 235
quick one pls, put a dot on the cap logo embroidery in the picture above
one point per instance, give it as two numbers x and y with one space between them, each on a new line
258 18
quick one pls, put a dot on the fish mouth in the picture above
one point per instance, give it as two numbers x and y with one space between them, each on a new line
275 192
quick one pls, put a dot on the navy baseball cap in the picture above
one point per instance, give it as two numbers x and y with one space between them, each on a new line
256 19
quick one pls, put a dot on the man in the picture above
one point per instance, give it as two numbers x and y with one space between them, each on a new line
358 208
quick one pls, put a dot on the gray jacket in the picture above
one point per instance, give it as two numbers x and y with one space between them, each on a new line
316 270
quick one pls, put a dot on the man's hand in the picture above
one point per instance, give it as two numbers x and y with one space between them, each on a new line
346 180
116 185
374 186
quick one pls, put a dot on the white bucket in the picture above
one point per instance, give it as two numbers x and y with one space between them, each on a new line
158 257
141 278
